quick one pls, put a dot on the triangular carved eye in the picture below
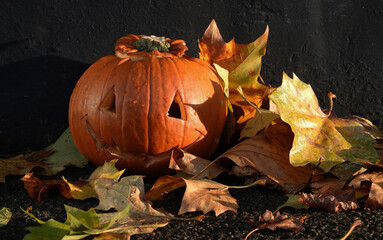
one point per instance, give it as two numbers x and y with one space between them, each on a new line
177 108
108 104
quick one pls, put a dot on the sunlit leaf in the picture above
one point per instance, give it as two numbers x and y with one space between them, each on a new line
319 137
5 216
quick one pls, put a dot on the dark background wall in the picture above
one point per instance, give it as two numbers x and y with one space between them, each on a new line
46 45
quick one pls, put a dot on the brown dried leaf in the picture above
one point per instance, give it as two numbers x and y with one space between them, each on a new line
206 196
285 222
164 185
372 182
340 201
21 164
188 163
36 187
268 153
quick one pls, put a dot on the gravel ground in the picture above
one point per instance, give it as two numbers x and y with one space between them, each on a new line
252 202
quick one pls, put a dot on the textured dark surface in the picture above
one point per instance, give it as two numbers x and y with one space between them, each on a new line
252 202
46 45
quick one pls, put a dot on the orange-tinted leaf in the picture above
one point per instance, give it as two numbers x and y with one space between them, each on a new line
268 153
243 61
191 164
340 201
319 137
164 185
206 196
21 164
372 182
36 187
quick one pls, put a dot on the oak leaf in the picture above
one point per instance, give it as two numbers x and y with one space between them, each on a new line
37 187
318 136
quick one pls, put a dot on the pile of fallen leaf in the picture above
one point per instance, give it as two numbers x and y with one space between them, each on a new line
277 137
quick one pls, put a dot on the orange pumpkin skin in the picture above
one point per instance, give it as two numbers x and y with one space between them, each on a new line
122 107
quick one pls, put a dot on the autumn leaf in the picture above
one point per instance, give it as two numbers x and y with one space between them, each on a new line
48 161
318 136
206 196
80 224
285 222
293 202
188 163
37 187
164 185
340 201
268 153
20 165
65 153
373 184
5 216
85 189
243 61
200 195
261 120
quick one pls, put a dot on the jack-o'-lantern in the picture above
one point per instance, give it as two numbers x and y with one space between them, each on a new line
139 104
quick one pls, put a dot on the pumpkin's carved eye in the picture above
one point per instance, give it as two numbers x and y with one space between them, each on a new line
108 104
177 108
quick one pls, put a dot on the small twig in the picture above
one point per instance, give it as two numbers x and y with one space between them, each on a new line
354 225
314 170
248 235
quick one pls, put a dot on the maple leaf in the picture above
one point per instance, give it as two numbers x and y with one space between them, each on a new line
20 164
268 153
188 163
243 61
36 187
5 216
206 196
318 136
285 222
200 195
373 184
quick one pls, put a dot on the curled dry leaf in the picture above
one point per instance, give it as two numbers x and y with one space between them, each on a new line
181 160
36 187
373 184
340 201
318 136
270 221
268 153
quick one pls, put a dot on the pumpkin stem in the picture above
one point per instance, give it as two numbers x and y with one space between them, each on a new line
151 43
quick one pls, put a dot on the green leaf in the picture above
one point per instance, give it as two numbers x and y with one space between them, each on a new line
50 230
65 153
5 216
293 202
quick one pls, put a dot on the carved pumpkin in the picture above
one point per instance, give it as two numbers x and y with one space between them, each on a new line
143 101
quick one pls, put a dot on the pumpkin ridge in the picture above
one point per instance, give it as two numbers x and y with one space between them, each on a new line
182 87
